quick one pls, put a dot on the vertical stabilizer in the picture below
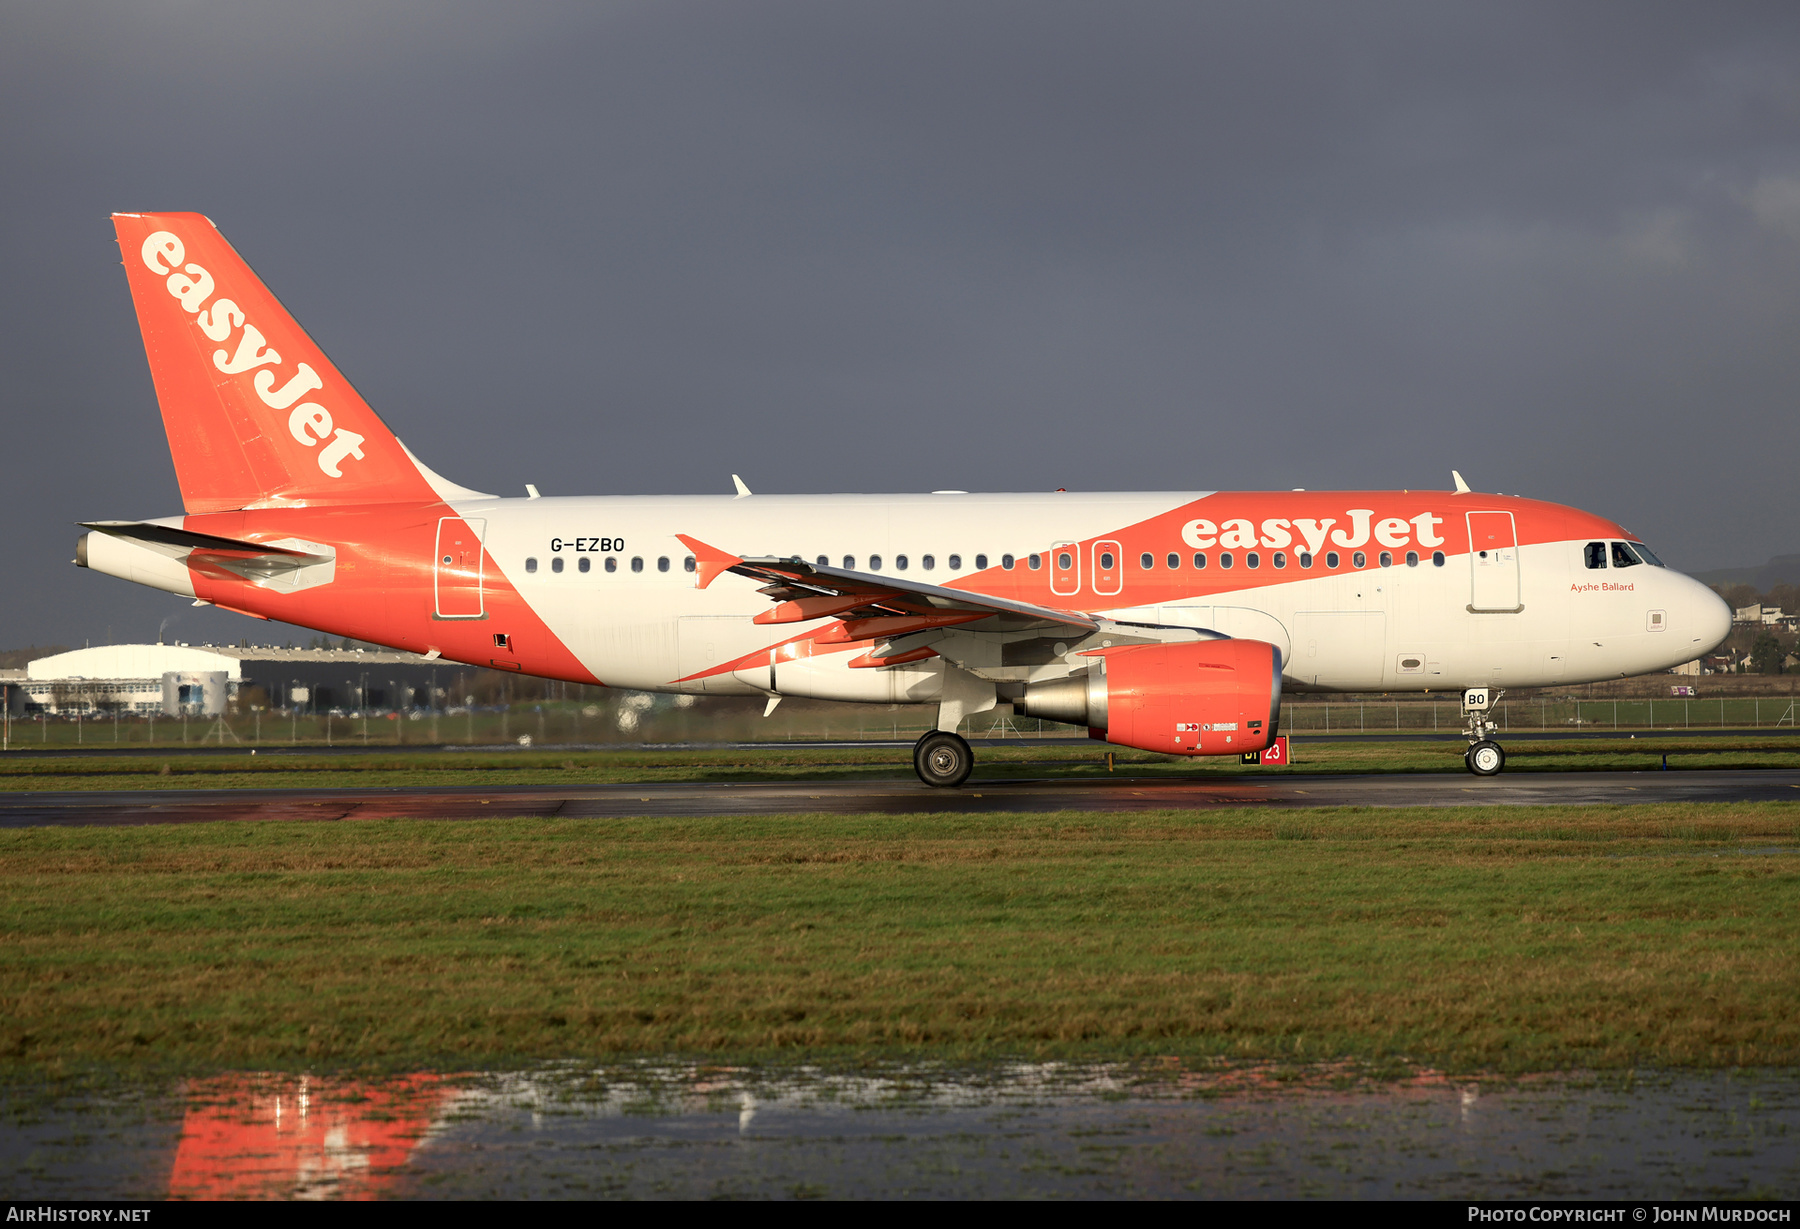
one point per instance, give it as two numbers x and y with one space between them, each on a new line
256 415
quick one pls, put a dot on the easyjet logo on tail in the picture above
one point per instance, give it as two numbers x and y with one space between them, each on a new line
308 422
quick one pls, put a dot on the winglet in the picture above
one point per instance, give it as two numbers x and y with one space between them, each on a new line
742 490
709 561
1462 488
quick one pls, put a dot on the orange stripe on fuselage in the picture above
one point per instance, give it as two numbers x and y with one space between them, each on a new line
383 588
1162 535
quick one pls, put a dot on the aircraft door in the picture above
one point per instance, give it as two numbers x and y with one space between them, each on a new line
1109 568
1493 563
457 570
1065 569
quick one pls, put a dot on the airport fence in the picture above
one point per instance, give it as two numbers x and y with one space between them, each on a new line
1544 715
635 719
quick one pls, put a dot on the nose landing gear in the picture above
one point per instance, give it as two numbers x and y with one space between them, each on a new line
942 759
1484 757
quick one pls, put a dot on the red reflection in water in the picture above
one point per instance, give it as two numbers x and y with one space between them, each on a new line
251 1137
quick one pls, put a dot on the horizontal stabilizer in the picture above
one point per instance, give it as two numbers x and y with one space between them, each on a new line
287 565
184 540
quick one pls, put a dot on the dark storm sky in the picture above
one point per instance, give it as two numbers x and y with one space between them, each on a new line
633 248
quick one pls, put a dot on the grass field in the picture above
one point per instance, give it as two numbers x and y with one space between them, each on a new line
1496 939
450 768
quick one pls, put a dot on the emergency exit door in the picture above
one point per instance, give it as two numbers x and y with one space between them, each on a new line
458 571
1493 563
1065 568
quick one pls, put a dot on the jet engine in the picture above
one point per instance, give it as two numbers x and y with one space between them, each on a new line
1208 697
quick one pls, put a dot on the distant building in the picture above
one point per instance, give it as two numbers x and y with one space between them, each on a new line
172 679
1768 616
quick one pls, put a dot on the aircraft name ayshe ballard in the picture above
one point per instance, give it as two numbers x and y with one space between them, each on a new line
1166 621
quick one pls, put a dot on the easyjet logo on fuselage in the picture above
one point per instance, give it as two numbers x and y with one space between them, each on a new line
308 422
1358 526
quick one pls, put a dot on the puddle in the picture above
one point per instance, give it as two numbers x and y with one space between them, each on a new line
1006 1131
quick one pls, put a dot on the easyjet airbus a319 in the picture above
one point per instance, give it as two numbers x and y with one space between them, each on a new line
1166 621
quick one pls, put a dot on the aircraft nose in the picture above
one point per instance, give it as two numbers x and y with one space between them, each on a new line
1709 617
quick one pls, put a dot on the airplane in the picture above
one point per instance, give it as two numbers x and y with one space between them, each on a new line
1167 621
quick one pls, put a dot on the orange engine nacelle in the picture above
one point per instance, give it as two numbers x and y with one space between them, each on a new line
1208 697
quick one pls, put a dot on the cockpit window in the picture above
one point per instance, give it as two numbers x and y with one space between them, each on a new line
1623 556
1595 554
1643 553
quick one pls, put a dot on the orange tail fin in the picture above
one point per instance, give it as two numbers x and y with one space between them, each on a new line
256 415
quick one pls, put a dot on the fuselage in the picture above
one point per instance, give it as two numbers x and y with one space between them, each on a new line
1358 590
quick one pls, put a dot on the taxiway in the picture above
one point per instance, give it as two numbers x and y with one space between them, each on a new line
897 796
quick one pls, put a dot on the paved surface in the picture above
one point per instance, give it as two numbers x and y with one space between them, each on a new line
22 748
18 810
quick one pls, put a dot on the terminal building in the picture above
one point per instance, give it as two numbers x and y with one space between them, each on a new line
204 680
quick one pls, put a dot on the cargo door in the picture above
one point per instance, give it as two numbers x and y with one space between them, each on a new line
703 642
457 574
1493 563
1340 649
1065 569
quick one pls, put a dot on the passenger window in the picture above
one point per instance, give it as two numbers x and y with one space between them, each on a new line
1253 560
585 564
1279 559
1359 560
1174 561
1437 558
1305 559
662 564
1006 562
928 562
1594 555
1623 556
1224 558
637 563
530 564
612 564
849 563
981 563
1146 561
556 564
1034 562
955 562
900 563
1387 558
1331 559
1199 561
687 565
823 561
1065 561
874 563
1412 558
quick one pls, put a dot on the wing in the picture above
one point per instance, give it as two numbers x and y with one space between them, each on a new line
871 606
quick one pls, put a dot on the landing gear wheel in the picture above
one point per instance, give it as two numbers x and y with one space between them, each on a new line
942 759
1485 758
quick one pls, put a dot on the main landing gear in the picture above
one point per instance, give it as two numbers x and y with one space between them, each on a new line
942 759
1485 757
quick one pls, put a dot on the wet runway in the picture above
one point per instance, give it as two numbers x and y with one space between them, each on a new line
664 1130
98 807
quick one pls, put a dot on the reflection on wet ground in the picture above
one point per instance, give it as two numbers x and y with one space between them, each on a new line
662 1130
